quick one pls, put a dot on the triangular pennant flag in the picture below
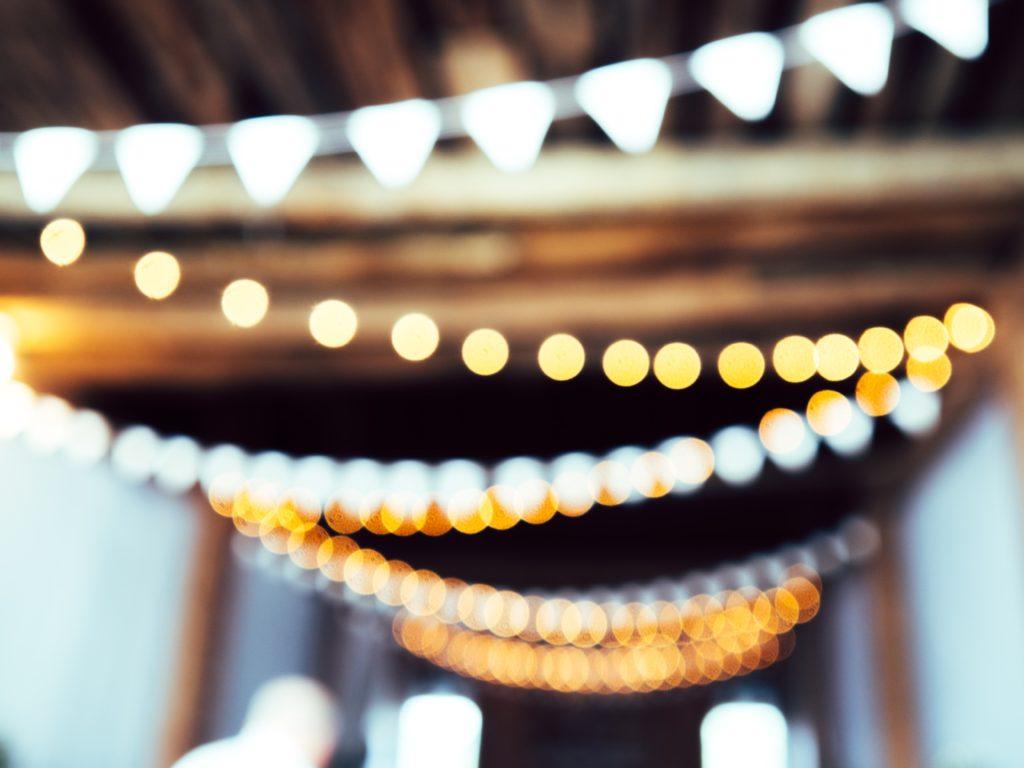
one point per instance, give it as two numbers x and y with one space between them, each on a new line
49 161
627 100
509 122
742 72
854 43
394 140
960 26
269 153
155 160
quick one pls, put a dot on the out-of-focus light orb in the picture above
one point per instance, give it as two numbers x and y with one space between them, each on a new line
693 461
877 393
677 365
881 349
8 362
62 241
244 302
561 357
157 275
333 323
415 336
795 359
626 362
855 438
931 375
970 327
485 351
741 365
918 411
925 338
828 412
838 357
799 457
739 456
16 406
781 430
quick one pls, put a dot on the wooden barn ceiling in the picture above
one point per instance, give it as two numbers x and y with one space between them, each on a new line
835 211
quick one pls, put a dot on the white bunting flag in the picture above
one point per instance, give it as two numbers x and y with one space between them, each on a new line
509 122
394 140
627 100
854 43
49 161
960 26
269 153
742 72
155 160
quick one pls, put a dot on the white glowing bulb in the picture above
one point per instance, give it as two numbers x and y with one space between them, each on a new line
269 153
742 72
800 457
855 437
627 100
155 160
439 731
739 456
854 42
49 161
394 140
960 26
509 122
917 412
744 733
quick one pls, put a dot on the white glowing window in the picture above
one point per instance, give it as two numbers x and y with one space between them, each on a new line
439 731
744 734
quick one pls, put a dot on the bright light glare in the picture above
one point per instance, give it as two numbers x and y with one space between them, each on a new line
561 357
509 122
62 241
269 153
627 100
677 365
394 140
854 42
49 161
960 26
439 731
245 303
626 362
742 72
743 734
415 336
485 351
155 160
157 275
333 323
741 365
739 456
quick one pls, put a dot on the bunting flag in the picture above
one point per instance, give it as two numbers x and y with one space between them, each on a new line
853 43
741 72
49 161
269 153
155 160
627 100
959 26
509 122
394 140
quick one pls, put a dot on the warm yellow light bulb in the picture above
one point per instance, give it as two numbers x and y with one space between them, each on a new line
781 430
828 412
561 357
245 302
929 375
677 365
626 362
795 359
415 336
333 323
926 338
877 393
485 351
881 349
838 357
62 241
157 275
741 365
970 327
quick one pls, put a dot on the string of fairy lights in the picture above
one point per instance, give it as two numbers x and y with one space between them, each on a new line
415 337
